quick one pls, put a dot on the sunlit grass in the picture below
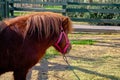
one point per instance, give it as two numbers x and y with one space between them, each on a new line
53 7
83 42
51 53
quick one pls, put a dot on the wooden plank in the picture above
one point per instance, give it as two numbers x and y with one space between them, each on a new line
93 28
2 3
1 9
96 20
93 10
44 3
93 4
38 9
84 10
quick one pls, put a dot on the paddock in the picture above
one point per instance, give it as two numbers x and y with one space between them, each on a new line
99 61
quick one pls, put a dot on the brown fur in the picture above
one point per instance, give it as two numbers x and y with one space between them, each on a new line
24 40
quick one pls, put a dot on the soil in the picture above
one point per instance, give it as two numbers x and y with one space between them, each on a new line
55 68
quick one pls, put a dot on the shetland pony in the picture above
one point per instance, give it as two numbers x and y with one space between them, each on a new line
24 40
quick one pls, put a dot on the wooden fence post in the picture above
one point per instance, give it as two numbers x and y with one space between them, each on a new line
5 9
12 8
1 9
64 6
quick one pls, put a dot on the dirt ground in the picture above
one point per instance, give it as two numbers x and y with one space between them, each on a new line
81 58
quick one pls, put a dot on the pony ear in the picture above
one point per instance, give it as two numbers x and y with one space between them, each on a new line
67 25
65 21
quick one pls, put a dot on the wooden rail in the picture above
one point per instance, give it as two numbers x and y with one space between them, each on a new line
94 8
67 8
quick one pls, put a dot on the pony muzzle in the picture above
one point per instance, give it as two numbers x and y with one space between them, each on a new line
68 49
67 45
64 50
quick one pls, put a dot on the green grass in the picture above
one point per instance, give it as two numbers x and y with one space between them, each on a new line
51 53
53 7
19 13
83 42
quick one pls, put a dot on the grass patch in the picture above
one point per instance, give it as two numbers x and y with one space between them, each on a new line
51 53
83 42
19 13
53 7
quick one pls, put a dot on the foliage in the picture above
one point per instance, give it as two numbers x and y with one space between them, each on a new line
96 15
105 16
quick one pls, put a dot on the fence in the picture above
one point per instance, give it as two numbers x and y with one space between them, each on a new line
4 8
92 9
78 10
38 5
1 9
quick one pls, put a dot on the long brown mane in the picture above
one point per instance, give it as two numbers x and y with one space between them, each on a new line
44 23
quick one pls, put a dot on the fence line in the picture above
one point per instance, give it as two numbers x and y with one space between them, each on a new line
93 9
72 8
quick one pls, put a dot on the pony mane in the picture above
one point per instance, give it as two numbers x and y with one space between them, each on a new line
44 24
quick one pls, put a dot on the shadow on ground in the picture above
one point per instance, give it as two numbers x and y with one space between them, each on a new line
44 68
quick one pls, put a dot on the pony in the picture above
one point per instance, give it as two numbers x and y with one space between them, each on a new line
25 39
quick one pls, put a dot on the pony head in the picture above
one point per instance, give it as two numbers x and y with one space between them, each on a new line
44 27
63 44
